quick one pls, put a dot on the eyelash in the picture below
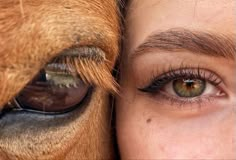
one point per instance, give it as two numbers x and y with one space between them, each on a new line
157 83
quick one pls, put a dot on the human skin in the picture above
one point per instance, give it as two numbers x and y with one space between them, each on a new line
152 126
32 33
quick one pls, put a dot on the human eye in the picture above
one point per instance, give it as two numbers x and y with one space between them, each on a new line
186 86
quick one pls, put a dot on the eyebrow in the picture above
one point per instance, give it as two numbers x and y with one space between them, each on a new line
179 39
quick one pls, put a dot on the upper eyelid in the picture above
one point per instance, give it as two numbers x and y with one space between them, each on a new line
171 74
192 73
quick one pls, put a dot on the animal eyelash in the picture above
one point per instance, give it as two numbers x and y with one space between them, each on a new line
157 83
88 64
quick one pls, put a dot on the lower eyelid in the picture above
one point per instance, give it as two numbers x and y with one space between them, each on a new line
164 99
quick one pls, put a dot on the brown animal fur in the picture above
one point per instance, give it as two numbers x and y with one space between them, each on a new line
32 33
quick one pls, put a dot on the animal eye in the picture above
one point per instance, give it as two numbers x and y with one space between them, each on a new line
54 90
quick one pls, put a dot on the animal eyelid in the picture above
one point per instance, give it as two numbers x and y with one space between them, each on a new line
90 64
87 52
14 105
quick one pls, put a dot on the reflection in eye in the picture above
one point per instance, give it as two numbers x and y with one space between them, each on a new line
186 85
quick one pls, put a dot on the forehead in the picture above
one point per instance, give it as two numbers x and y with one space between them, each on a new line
145 17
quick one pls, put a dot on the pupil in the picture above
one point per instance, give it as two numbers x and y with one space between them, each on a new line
189 84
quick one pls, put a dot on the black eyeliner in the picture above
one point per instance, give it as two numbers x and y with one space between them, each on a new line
157 83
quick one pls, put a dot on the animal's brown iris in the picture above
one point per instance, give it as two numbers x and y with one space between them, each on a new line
189 87
54 89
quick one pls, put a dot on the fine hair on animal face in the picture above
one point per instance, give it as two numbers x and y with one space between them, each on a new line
80 38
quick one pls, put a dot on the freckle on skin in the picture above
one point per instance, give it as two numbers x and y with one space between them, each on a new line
148 120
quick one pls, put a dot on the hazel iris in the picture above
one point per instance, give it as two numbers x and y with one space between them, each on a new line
189 87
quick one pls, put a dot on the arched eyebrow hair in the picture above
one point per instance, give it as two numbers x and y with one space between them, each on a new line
199 42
